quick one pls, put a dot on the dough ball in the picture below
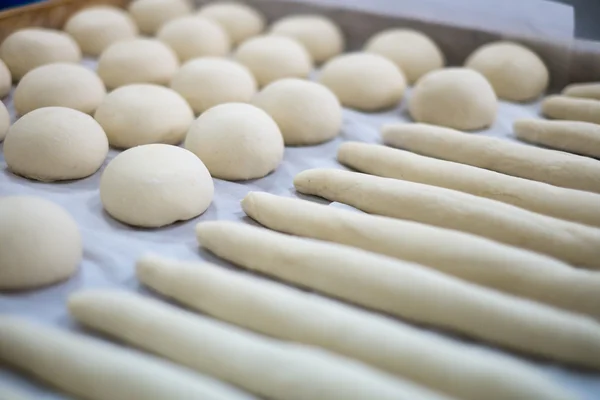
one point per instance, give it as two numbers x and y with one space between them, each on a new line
59 84
194 36
515 72
274 57
209 81
412 51
4 121
5 80
150 15
141 114
306 112
155 185
137 61
96 28
55 144
236 141
40 243
321 36
29 48
367 82
239 20
458 98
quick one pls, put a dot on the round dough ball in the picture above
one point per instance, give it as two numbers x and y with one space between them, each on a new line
209 81
236 141
367 82
194 36
40 243
155 185
458 98
150 15
239 20
306 112
141 114
515 72
321 36
29 48
5 79
59 84
55 144
4 121
137 61
412 51
270 58
96 28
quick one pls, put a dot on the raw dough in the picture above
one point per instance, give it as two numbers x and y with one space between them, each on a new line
320 35
40 243
239 20
5 80
59 84
245 359
28 48
210 81
458 98
590 90
150 15
95 28
55 144
412 51
515 72
155 185
274 57
510 158
4 121
194 36
367 82
236 141
290 314
407 290
572 108
142 114
572 136
137 61
98 370
307 113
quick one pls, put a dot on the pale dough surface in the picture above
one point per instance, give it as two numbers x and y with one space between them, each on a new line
150 15
239 20
589 90
572 108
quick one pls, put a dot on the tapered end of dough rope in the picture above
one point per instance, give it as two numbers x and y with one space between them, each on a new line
347 148
249 203
206 232
302 181
148 265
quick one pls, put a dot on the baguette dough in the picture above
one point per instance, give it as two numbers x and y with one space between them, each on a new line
4 121
529 162
98 370
573 205
589 90
5 80
289 314
150 15
571 108
407 290
239 20
265 366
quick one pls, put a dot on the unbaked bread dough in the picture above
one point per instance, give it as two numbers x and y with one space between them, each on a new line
5 79
321 36
367 82
95 28
4 121
142 114
270 58
458 98
412 51
306 112
194 36
55 144
572 108
150 15
515 72
236 141
239 20
40 243
28 48
137 61
155 185
59 84
589 90
210 81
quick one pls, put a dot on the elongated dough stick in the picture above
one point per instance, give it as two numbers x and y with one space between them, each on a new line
269 367
529 162
571 108
569 204
472 258
276 310
572 136
97 370
408 290
568 241
589 90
